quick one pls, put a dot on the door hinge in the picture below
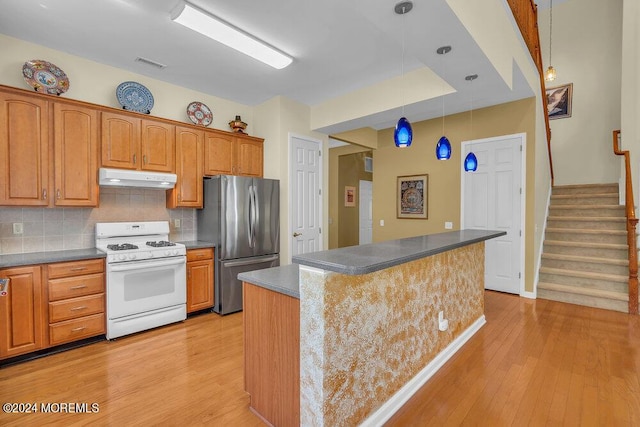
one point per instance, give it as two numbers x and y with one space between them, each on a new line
521 148
320 153
519 275
520 233
319 191
319 230
520 190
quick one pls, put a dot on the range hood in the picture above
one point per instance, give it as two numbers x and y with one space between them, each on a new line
129 178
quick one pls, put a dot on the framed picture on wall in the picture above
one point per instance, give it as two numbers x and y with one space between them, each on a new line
559 101
349 196
413 196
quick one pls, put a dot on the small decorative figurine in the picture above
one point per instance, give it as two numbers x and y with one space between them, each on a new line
237 125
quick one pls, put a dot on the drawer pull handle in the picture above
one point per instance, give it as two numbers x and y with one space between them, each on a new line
75 288
79 269
82 307
81 328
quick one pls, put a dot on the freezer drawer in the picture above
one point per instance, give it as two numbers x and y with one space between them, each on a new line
228 289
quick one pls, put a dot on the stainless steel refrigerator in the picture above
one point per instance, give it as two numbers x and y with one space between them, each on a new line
241 216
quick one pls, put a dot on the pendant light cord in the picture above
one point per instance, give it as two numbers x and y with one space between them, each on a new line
443 66
404 30
550 28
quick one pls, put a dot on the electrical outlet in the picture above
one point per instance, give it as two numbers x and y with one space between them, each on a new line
176 223
17 228
448 225
382 223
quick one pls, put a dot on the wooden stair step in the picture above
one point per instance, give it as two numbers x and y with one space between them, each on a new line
577 290
580 258
586 231
594 245
585 274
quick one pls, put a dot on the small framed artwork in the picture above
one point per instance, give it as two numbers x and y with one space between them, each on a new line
349 196
413 196
559 101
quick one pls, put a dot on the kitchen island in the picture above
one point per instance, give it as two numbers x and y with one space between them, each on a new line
365 323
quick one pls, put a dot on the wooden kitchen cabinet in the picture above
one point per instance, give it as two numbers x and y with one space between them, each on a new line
129 142
188 189
199 279
22 312
233 154
75 155
24 149
76 300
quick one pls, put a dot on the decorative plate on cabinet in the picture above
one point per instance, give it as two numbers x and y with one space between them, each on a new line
199 114
45 77
134 97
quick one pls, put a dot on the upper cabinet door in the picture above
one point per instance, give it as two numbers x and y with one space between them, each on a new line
158 146
188 189
249 157
120 141
76 155
24 150
218 157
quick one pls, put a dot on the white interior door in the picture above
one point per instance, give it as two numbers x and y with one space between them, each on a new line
305 195
365 203
492 200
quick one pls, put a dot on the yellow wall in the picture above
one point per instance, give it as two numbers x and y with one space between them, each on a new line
350 172
96 83
444 176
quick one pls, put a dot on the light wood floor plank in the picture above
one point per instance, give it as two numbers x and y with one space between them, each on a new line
535 362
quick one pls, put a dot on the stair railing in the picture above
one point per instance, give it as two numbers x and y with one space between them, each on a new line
525 13
632 222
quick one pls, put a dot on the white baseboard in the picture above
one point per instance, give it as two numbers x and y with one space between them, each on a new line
395 402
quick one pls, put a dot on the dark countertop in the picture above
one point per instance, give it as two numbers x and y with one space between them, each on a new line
32 258
283 279
197 244
364 259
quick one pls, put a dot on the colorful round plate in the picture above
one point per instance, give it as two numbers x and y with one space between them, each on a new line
134 97
45 77
199 114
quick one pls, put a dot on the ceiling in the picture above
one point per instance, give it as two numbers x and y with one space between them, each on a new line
339 47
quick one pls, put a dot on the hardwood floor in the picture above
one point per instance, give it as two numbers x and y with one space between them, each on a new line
534 363
538 363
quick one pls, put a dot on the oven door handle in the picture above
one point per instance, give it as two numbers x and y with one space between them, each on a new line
128 266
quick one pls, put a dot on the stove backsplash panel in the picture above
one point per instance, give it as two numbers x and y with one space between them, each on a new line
54 229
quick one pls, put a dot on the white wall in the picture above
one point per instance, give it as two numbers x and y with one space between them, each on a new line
631 89
586 51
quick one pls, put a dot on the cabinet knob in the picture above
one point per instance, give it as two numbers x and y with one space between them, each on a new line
44 194
134 159
144 159
58 193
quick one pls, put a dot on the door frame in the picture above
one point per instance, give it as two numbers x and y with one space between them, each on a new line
321 196
523 174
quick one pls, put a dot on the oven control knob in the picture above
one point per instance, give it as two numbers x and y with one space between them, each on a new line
175 252
150 254
132 256
122 257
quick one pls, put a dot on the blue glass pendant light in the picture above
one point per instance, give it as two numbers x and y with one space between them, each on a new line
403 134
470 162
443 147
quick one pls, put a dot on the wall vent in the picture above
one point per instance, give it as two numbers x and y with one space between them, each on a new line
150 62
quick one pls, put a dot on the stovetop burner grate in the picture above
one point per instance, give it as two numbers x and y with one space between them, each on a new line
160 244
122 247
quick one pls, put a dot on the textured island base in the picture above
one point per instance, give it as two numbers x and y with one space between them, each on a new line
367 340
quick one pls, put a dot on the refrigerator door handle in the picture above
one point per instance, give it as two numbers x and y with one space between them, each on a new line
254 216
250 216
250 261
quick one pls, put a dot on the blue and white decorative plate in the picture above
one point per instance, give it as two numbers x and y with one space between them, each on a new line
134 97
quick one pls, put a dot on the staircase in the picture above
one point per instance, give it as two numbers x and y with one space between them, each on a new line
585 253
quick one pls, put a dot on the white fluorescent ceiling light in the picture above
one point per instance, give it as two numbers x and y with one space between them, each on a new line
212 27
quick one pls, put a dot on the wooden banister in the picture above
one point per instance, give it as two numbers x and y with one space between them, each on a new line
632 222
525 13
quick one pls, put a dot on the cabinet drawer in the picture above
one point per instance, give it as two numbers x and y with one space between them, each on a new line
198 254
76 329
75 268
76 307
72 287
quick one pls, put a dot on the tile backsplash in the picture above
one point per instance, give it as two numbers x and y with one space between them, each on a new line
53 229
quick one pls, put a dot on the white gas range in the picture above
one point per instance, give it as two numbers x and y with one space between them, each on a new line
146 276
